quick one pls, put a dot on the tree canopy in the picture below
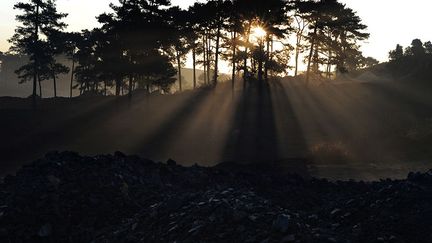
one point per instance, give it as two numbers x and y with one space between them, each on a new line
144 44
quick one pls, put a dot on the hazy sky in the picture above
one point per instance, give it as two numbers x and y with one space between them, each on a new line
390 21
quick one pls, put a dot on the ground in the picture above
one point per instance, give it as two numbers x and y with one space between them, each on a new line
358 130
65 197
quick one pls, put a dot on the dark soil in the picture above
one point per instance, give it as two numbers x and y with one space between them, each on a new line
65 197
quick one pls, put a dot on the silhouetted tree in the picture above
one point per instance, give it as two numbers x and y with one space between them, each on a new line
300 27
396 54
39 19
71 44
181 32
138 32
416 49
334 33
140 39
56 45
428 47
369 62
93 68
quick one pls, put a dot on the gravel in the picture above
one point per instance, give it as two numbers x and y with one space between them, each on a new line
66 197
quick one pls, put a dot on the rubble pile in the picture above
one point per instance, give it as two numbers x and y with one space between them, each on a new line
66 197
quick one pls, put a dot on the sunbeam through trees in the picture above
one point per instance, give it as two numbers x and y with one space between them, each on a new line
273 123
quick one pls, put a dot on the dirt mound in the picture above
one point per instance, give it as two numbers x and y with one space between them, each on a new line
65 197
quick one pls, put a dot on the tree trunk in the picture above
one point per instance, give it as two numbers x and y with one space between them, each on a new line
208 58
260 70
215 78
205 58
245 69
310 55
118 86
267 58
40 86
260 61
297 53
36 62
130 87
72 74
315 60
194 66
179 71
329 64
55 85
34 89
234 55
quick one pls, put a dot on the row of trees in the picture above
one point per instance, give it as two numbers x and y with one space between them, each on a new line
414 61
143 44
39 38
417 49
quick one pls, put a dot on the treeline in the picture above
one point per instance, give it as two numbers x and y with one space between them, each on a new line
414 61
143 44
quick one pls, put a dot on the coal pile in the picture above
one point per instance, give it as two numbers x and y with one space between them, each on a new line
66 197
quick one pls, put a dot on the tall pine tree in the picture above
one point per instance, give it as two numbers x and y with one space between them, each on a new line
38 21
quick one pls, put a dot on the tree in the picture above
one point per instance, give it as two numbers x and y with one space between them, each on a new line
314 14
416 49
270 18
396 54
219 7
138 32
334 31
300 28
369 62
55 46
428 47
71 47
348 31
38 19
181 36
87 72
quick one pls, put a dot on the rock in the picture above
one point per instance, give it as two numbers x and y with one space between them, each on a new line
252 217
54 180
288 238
239 216
45 230
171 162
335 212
194 229
393 238
282 223
119 198
3 232
331 239
119 154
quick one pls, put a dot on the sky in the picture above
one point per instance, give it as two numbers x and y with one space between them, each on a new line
390 22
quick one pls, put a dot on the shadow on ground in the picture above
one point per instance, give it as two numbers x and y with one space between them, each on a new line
340 131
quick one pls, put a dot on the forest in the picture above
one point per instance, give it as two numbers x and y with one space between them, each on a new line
143 45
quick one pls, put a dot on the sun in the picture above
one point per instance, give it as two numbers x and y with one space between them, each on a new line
258 32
